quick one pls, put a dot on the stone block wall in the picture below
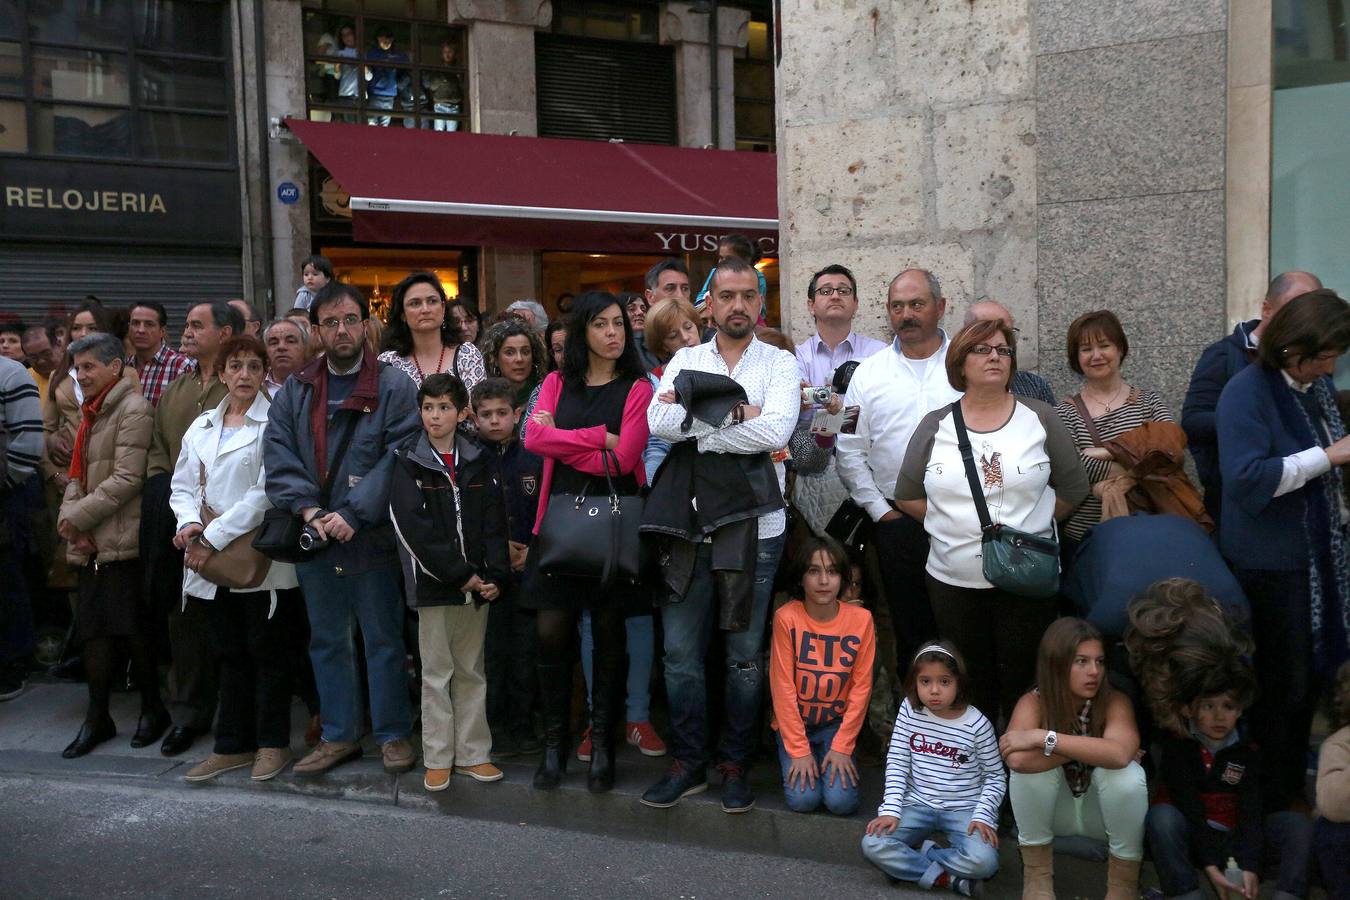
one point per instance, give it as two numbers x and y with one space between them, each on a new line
1130 105
1058 156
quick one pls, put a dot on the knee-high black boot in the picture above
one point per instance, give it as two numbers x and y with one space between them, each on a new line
607 631
555 690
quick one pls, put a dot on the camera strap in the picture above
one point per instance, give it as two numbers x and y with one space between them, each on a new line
326 491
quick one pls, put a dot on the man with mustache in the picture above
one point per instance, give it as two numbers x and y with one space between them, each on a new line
894 389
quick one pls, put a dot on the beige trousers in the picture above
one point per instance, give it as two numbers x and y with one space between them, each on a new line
454 688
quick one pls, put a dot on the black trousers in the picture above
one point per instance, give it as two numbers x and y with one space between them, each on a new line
902 554
511 653
998 634
1283 713
253 667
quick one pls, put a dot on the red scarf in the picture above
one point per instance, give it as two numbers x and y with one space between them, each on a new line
90 409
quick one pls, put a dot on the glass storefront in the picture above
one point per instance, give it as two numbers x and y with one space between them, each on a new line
1310 153
375 270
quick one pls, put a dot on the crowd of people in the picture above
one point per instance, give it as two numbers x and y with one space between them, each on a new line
1061 633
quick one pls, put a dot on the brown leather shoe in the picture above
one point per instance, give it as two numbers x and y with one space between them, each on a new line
269 762
327 755
481 772
398 756
216 763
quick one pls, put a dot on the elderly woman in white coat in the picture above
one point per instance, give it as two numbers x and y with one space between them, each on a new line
219 478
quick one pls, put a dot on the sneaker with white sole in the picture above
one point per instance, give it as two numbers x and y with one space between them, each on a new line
269 762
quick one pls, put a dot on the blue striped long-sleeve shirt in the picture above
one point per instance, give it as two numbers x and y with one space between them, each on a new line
20 421
946 764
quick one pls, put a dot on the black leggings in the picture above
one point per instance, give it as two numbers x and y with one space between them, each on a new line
100 663
558 638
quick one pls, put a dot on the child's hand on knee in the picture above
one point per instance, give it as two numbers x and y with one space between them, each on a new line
802 772
987 834
840 769
882 825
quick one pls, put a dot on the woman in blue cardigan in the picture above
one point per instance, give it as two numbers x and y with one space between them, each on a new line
1284 517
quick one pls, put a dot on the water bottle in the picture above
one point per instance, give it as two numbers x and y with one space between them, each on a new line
1233 874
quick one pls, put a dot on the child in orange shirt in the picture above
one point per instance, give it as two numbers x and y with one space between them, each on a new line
820 676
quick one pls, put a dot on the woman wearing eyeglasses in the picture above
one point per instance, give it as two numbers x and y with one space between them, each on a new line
1097 347
1029 472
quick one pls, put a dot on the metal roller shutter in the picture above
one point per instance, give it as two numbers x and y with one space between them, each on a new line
598 90
42 280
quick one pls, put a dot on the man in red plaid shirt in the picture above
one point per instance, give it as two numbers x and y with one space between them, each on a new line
155 363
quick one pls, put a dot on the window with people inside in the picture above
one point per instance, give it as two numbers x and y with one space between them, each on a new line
391 64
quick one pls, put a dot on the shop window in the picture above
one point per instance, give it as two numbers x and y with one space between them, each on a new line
755 126
393 63
108 78
1310 141
375 270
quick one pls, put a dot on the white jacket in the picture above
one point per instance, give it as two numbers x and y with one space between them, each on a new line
235 488
891 402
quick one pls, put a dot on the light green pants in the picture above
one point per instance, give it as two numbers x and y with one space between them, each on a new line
1112 810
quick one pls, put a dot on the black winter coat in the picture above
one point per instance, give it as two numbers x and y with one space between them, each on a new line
443 544
1232 782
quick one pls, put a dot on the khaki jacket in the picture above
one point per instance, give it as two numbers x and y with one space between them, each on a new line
182 402
115 472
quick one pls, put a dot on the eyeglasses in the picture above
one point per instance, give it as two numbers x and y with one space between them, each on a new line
828 291
348 322
984 350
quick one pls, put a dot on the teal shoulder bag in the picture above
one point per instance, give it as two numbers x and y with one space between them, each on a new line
1018 562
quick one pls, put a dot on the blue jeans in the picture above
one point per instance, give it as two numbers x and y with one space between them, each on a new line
373 102
895 854
446 109
838 799
1332 840
689 626
1288 837
641 634
337 604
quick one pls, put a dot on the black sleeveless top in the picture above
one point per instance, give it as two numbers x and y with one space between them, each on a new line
584 406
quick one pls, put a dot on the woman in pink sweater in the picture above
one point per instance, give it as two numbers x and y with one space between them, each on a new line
592 410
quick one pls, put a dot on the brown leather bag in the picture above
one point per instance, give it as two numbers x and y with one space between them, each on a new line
237 565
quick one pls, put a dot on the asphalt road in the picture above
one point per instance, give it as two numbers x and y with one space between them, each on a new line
104 838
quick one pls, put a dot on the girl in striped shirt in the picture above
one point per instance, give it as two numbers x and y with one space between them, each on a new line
943 775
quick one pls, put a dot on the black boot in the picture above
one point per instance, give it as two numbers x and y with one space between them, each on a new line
607 669
555 690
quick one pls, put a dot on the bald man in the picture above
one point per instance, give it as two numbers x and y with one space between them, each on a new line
1221 361
1024 383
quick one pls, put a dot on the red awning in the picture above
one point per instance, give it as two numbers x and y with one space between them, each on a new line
456 188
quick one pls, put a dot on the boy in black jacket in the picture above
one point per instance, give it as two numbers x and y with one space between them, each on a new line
445 502
1208 806
511 636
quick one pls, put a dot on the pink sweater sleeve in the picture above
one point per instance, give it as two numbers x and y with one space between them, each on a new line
582 448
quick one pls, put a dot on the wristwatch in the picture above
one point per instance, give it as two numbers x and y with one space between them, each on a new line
1051 740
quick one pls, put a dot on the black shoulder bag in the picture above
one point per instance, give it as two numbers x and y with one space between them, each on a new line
1016 561
279 534
593 536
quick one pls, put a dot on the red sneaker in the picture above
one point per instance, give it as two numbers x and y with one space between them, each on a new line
584 748
644 737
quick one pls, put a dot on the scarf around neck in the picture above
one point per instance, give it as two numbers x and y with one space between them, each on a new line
89 410
1324 532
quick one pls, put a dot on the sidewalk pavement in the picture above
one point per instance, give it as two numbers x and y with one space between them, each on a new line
35 727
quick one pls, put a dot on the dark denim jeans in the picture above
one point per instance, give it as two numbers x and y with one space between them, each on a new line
337 604
688 628
1332 840
1287 838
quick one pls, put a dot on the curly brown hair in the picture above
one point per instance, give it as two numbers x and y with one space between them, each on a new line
1183 646
513 327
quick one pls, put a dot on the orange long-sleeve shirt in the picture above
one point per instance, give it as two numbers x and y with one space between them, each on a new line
820 672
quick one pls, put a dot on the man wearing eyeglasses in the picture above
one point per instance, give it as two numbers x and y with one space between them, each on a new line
347 396
832 300
895 389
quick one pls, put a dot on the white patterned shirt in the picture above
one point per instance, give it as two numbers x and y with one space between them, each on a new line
770 379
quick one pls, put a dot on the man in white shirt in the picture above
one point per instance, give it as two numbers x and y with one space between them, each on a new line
894 389
763 425
832 300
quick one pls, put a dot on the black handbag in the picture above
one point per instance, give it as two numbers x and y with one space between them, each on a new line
1017 561
278 536
592 535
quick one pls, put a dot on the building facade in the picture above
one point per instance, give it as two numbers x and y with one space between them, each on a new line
1161 158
